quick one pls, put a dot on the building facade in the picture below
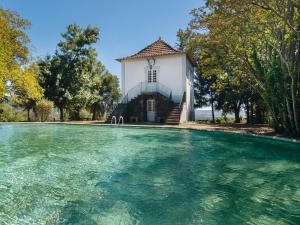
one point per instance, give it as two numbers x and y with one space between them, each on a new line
157 85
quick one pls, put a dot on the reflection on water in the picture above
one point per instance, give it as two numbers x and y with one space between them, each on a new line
59 174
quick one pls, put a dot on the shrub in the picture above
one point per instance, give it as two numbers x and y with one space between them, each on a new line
7 114
84 114
224 120
43 109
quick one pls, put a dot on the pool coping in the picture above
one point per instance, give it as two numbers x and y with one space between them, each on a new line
161 127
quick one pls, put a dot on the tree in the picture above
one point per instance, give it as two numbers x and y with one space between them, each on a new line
109 92
67 76
205 93
17 80
260 40
53 82
26 89
43 109
231 95
13 49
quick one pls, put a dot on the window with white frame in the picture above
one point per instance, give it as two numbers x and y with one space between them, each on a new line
150 105
149 76
152 76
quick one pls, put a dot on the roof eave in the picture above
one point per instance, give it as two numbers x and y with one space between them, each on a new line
145 57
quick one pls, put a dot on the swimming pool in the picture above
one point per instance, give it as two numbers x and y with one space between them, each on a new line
68 174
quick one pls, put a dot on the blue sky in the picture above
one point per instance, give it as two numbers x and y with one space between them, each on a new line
126 25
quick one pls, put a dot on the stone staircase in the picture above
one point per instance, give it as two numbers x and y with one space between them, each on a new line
173 117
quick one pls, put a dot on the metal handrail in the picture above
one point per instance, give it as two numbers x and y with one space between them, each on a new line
182 101
121 119
112 119
145 87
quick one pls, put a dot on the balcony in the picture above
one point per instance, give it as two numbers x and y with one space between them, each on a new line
146 88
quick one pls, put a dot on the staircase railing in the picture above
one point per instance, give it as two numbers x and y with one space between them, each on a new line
145 87
182 100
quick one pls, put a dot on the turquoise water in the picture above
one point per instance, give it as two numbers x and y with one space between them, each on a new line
64 174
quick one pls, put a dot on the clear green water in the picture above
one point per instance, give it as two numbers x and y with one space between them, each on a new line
63 174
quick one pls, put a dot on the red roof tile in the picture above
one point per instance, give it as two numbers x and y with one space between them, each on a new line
157 48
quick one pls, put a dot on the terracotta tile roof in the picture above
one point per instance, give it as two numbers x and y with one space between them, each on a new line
157 48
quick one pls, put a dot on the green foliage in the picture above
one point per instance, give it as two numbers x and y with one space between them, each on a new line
106 94
27 91
13 48
67 76
74 78
225 120
109 91
7 114
43 109
17 80
85 114
256 44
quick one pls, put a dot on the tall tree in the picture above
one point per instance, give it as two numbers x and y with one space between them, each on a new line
261 39
67 76
27 90
109 92
13 49
205 92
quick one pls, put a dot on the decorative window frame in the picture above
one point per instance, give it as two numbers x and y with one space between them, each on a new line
147 68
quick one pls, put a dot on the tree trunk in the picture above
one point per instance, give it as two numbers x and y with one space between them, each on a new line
213 112
77 114
258 117
295 108
61 110
212 105
28 115
251 113
237 115
94 111
247 112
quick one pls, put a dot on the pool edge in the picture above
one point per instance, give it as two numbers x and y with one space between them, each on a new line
161 127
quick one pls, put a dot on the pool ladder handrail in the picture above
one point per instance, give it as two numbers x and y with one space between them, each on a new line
121 119
112 118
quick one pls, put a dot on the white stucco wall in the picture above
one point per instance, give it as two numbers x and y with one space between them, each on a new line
175 72
169 73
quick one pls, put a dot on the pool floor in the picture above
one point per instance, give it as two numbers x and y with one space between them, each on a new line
73 174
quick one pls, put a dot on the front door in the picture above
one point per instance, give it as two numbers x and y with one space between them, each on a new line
151 110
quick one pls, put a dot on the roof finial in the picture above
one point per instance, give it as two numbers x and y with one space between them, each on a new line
159 38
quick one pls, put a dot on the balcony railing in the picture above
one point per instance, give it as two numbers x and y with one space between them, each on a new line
145 87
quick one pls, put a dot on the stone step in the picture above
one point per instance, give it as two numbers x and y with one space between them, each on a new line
172 123
173 119
175 112
173 116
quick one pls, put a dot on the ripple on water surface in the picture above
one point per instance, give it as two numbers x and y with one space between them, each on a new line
61 174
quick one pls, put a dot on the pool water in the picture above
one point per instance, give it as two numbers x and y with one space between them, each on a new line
72 174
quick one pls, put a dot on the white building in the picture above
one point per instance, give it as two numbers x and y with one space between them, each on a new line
157 85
